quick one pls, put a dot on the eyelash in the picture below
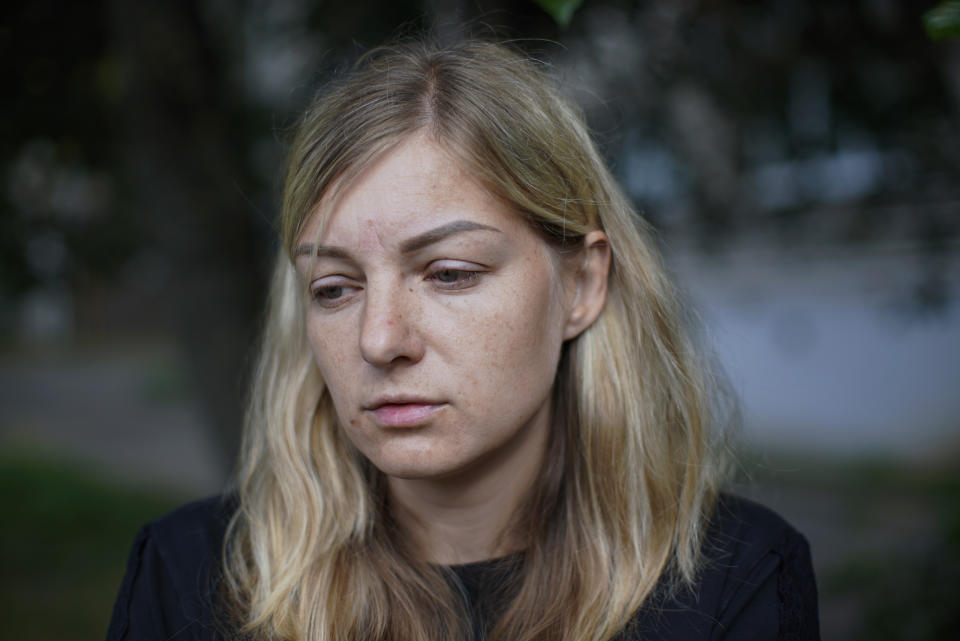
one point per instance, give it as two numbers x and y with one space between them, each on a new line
469 278
466 278
317 295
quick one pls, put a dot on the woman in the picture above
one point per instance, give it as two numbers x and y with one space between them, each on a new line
477 411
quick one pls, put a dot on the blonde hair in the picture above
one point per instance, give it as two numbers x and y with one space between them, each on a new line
630 477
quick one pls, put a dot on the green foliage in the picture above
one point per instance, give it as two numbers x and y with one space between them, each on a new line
63 547
943 21
890 532
560 10
910 594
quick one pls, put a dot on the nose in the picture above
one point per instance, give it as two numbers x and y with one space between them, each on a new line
388 331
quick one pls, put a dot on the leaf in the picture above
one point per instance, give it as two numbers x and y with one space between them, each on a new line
560 10
943 21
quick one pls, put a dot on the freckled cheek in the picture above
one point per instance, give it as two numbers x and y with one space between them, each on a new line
329 354
514 336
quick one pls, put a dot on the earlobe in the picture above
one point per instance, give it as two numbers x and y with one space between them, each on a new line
591 284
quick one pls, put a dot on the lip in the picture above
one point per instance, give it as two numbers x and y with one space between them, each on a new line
403 411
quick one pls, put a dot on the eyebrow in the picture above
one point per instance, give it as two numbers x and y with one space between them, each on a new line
407 246
321 252
437 234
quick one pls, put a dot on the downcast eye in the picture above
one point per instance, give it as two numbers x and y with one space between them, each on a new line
448 275
329 293
451 279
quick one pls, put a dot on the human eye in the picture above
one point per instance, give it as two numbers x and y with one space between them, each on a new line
453 275
331 291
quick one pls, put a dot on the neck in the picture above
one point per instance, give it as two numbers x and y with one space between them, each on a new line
467 516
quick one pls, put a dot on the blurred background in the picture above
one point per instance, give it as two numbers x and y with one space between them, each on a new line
800 159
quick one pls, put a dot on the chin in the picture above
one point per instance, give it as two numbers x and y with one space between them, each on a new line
418 465
415 470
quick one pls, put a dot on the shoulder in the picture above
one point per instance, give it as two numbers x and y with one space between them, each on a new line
188 541
169 586
192 531
742 532
756 582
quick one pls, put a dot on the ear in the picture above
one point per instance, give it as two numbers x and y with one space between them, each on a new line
590 280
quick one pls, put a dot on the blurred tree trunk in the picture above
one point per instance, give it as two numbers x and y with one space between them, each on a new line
181 148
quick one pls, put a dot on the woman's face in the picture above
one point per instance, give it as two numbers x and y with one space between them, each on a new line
436 317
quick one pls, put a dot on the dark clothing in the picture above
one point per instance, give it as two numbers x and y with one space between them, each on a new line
757 583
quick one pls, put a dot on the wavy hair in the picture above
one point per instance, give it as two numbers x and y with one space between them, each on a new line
630 476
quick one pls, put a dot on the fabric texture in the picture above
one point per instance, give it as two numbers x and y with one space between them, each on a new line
757 583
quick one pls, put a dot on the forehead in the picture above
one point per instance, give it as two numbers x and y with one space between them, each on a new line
411 188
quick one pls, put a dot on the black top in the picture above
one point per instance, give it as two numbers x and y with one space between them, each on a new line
757 583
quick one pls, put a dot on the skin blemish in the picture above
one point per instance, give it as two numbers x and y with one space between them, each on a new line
370 236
